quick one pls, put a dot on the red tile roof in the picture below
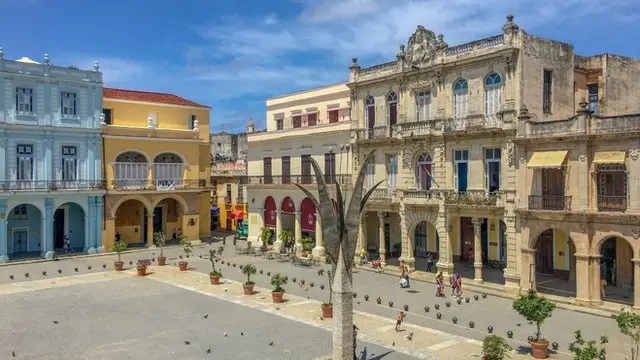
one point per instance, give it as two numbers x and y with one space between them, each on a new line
146 96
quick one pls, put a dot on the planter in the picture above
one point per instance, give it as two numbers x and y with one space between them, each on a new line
277 298
183 265
327 310
162 260
539 350
118 265
142 270
215 279
248 289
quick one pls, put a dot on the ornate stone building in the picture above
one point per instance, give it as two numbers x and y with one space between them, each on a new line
483 145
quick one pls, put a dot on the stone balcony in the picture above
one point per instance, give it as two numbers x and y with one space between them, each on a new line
430 197
473 198
582 124
383 195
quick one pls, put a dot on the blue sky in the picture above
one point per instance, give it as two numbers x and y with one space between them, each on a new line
233 55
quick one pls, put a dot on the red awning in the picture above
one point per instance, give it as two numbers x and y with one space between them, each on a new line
308 215
270 212
237 215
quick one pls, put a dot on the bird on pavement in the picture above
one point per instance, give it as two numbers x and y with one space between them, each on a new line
225 334
186 342
55 321
209 351
271 343
394 344
241 333
410 336
206 316
13 353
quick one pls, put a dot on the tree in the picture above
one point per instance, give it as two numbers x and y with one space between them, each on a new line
587 350
629 325
534 308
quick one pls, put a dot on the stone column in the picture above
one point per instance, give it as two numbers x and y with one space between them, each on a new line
381 247
583 279
89 224
149 239
583 180
90 166
4 257
362 235
477 250
278 244
636 285
318 251
528 271
47 230
594 271
445 258
98 223
634 180
298 233
48 161
511 274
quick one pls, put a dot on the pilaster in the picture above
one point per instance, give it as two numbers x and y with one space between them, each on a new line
47 164
90 164
636 287
445 258
277 244
98 228
89 220
583 277
528 271
318 250
47 229
298 233
634 180
594 283
511 273
3 157
407 240
477 251
149 239
381 248
3 231
583 178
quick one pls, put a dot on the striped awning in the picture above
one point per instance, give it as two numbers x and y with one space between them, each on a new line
609 157
547 159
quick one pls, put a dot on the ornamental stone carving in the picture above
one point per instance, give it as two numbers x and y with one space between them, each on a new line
419 84
582 157
522 159
422 46
635 232
634 154
510 153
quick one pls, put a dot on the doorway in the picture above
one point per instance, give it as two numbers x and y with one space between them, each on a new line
58 229
544 253
484 239
157 222
20 240
466 238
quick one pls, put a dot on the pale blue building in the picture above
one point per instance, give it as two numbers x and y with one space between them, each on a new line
51 186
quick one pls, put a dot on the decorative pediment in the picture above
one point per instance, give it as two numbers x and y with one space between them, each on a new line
421 46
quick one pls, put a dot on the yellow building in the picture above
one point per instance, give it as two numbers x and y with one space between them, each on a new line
300 126
156 163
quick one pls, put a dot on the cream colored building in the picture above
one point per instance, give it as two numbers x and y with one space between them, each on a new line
312 124
459 133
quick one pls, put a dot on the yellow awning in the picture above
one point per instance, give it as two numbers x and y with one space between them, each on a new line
547 159
609 157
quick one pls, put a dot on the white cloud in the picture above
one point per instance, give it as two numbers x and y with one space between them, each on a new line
271 19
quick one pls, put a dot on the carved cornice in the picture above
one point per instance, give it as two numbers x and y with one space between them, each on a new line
634 154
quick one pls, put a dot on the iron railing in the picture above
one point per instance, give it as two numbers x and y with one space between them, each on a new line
549 202
612 203
299 179
51 185
160 185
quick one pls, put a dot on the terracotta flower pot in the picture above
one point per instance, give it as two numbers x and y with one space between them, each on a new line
327 310
183 265
118 265
215 279
539 350
248 289
162 260
277 298
142 270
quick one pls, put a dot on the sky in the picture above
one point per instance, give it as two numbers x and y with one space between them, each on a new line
233 55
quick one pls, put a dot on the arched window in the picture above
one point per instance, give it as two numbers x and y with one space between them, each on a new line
167 171
131 170
492 88
424 172
370 112
461 94
423 105
392 108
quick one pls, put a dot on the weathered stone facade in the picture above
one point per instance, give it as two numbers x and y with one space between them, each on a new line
457 130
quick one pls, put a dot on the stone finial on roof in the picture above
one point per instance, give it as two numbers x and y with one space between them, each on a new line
103 123
150 124
96 65
45 59
354 63
584 107
401 54
510 27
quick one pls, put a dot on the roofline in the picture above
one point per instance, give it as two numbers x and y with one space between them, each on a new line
308 90
152 92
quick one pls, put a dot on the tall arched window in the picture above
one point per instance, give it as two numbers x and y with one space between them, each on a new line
423 105
167 171
424 172
492 88
131 170
460 99
392 108
370 112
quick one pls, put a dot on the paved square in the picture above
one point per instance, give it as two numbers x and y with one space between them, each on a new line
135 318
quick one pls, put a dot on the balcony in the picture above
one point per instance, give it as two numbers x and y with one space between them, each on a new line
240 200
422 197
299 179
612 203
580 126
473 123
382 195
421 128
472 198
227 200
376 133
549 202
51 185
158 185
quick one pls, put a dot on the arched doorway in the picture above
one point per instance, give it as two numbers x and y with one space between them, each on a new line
270 212
166 219
288 211
308 220
555 263
426 240
616 268
130 222
168 171
68 223
24 231
131 170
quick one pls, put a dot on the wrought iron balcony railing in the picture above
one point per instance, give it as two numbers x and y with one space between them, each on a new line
227 200
160 185
423 195
549 202
612 203
300 179
51 185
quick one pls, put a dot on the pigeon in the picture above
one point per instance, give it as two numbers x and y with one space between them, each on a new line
519 324
13 353
241 333
394 344
209 351
321 318
55 321
358 302
410 336
225 334
206 316
271 343
186 342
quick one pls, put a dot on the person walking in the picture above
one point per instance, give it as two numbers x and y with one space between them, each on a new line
440 285
429 262
399 320
363 256
404 275
603 287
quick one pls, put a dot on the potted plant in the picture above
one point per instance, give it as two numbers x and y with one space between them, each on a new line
248 270
160 240
266 236
142 266
307 244
119 247
214 275
629 325
495 347
587 350
277 281
537 309
187 248
327 308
